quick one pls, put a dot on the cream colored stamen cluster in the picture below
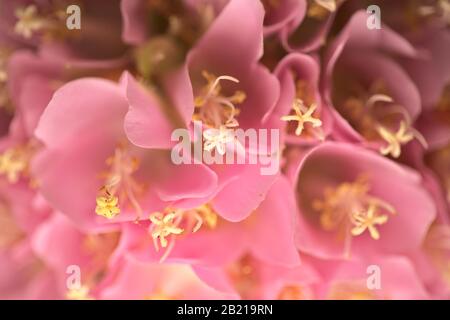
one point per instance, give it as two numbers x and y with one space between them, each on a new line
303 115
120 185
393 128
217 112
14 162
395 139
403 135
441 10
351 210
167 225
29 21
330 5
107 205
217 139
320 9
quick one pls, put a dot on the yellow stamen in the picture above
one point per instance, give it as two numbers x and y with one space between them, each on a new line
350 209
120 185
107 206
28 21
81 293
164 226
171 223
395 140
366 220
376 124
303 115
441 10
217 139
14 162
320 9
330 5
214 109
208 215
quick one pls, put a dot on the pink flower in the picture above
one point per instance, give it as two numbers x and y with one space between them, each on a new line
224 149
379 103
86 149
304 118
219 84
355 207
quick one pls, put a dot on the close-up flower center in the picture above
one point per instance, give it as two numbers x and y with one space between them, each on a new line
212 107
304 118
31 22
120 188
439 9
217 111
350 210
166 226
377 117
14 162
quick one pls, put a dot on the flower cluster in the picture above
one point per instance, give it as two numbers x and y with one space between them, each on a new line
93 205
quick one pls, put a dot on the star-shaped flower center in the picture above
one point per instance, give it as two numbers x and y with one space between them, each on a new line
302 116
